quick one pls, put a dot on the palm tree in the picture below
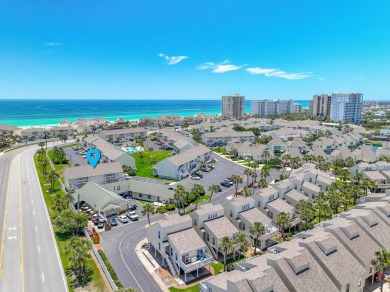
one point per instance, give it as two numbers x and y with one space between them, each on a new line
381 263
306 210
320 204
358 177
344 174
236 180
283 221
286 160
212 189
197 190
247 173
147 209
266 155
150 149
257 230
262 183
52 177
180 195
295 162
225 246
334 200
253 174
244 243
246 191
264 173
59 203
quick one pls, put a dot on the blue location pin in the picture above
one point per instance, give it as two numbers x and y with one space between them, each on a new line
93 156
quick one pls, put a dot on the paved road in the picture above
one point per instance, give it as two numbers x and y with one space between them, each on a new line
119 246
29 258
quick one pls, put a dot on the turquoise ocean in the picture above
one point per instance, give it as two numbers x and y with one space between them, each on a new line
29 112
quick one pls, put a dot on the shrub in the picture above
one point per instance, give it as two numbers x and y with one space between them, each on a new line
131 172
170 207
161 210
189 211
191 198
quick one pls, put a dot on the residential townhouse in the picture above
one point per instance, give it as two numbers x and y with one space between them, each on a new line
364 153
77 176
122 135
243 213
277 145
222 137
179 246
108 151
170 137
334 256
183 164
248 150
6 130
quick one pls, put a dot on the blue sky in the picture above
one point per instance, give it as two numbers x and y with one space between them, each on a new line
131 49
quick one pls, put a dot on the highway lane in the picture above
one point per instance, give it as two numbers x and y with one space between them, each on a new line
30 260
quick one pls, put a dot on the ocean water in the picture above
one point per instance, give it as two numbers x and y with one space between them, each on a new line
26 112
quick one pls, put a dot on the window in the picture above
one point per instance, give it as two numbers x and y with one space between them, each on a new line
208 237
159 234
140 195
176 256
310 180
243 226
231 213
259 204
245 207
347 288
171 251
212 216
149 197
159 246
195 222
271 198
213 240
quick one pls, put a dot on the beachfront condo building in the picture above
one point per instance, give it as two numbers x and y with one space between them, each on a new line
233 106
346 106
268 107
297 108
320 105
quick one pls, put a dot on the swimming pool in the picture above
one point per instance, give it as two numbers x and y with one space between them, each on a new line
131 150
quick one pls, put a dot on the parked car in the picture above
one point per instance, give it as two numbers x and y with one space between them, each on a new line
198 174
219 188
132 207
132 215
100 225
225 184
206 169
158 204
113 221
195 177
123 219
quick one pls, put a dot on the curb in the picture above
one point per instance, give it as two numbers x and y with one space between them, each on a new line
148 266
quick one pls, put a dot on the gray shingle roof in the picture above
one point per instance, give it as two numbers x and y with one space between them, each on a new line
221 227
254 215
87 171
186 240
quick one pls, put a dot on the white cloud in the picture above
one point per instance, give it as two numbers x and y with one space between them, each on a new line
219 67
53 44
278 73
172 60
321 78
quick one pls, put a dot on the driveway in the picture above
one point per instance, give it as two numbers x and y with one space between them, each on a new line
74 158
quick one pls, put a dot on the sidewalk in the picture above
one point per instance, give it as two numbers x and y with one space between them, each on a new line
150 264
257 168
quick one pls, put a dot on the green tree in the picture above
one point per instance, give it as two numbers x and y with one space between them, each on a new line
212 189
197 190
59 203
79 255
381 263
262 183
246 192
283 221
264 173
180 195
243 241
305 209
69 222
51 178
225 246
247 173
236 180
257 230
147 209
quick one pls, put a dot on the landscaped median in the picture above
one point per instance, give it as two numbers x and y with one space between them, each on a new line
94 281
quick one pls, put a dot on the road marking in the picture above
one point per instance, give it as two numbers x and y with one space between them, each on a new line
12 237
36 229
12 228
32 201
5 218
120 251
21 224
34 213
39 249
43 278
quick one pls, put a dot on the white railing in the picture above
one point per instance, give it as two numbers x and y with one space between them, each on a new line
197 264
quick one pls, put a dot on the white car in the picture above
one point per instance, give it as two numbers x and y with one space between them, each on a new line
132 215
195 177
123 219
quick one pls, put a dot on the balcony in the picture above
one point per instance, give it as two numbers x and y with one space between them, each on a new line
199 263
295 220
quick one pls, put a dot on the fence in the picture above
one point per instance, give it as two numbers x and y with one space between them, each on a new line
95 252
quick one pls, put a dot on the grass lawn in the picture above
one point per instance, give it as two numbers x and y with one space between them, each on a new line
218 267
194 288
95 283
144 167
60 168
202 199
110 269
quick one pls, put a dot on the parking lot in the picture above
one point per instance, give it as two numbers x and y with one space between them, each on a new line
75 158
